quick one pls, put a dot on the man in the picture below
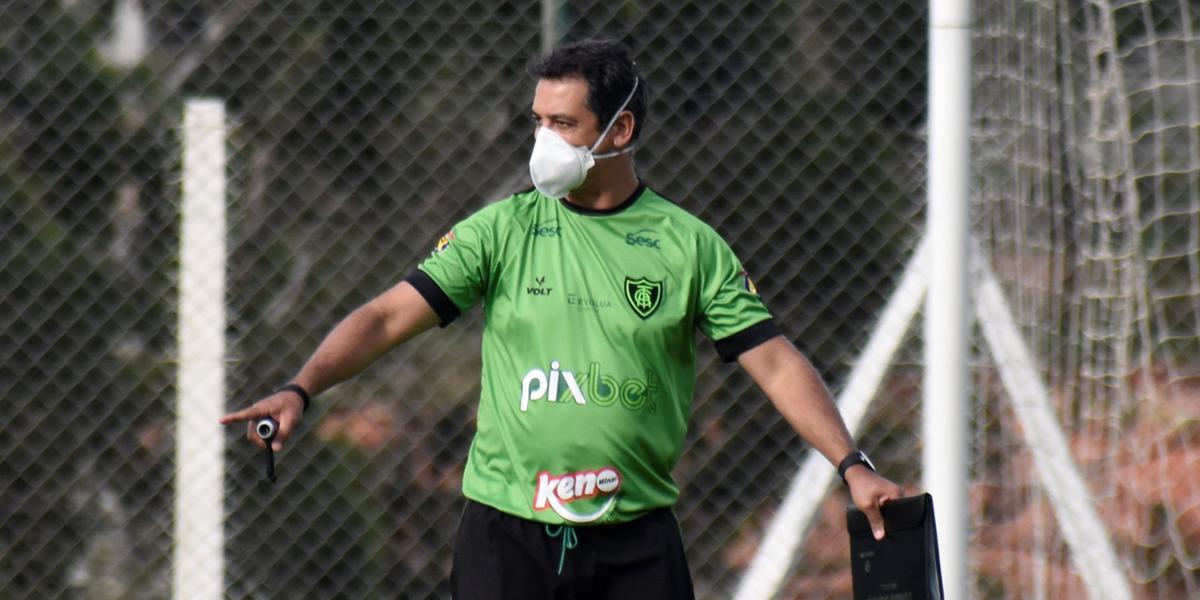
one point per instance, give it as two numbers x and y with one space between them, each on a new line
592 286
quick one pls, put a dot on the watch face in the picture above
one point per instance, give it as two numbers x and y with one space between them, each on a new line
866 460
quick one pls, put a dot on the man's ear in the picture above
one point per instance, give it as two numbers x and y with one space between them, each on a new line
622 129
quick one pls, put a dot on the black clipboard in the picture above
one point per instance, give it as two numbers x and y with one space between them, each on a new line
906 563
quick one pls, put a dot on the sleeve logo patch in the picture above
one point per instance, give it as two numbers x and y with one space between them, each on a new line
644 296
444 242
749 283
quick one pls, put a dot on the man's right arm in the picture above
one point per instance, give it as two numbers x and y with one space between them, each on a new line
357 341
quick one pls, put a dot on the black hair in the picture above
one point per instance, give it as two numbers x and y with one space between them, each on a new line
609 71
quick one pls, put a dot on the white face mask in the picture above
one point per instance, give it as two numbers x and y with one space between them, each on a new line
557 167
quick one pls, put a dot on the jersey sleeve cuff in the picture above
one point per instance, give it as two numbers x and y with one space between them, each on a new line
445 308
729 348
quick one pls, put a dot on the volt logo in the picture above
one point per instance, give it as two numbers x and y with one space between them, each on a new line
556 491
538 289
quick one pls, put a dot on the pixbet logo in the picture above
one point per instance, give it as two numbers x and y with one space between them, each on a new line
556 491
602 390
536 384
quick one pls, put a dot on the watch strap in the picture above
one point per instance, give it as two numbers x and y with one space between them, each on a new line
858 457
295 389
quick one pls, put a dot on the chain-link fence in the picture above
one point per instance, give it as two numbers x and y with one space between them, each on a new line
360 131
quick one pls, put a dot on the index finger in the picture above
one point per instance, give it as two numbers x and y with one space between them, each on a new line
875 518
245 414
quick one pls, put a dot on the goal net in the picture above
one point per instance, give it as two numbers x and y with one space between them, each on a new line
1087 199
1086 351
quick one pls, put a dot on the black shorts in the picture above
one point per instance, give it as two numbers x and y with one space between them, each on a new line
499 557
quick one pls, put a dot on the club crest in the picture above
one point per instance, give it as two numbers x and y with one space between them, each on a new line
644 296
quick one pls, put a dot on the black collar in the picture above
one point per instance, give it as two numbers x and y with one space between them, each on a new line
583 210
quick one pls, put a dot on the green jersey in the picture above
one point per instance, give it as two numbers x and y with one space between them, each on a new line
588 347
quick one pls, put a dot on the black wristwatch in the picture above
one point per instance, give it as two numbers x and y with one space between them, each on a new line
858 457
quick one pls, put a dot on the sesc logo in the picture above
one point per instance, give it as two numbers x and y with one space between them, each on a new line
546 229
642 239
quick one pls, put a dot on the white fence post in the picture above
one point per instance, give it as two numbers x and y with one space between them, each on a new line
199 568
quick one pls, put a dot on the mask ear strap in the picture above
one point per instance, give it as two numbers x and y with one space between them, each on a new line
613 120
625 150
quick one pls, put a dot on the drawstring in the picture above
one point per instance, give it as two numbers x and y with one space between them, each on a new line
570 540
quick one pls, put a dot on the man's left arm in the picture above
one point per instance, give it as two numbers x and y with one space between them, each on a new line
798 392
